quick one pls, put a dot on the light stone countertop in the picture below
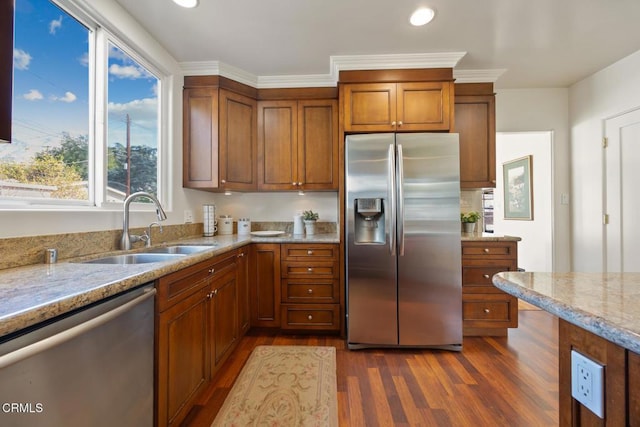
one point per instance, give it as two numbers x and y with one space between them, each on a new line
35 293
487 237
606 304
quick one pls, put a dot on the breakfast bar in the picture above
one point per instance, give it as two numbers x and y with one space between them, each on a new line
599 318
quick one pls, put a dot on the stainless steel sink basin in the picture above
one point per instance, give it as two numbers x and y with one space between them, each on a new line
179 249
139 258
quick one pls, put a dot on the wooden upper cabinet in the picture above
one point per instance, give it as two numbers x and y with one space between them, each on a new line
475 117
397 107
298 144
219 136
6 67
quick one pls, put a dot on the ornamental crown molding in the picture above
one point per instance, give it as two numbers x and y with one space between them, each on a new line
344 62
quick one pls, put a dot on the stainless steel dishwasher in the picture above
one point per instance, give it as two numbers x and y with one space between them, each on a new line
93 367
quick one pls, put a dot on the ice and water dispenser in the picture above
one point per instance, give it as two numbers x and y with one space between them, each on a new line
369 221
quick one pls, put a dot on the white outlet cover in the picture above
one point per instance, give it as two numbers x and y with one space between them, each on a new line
188 216
587 383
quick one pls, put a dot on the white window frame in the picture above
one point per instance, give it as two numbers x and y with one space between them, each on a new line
101 33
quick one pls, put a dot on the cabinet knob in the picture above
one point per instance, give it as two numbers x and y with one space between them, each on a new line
310 317
486 276
400 123
212 270
310 269
210 295
241 254
299 183
393 123
294 183
224 181
309 291
309 252
215 292
486 310
486 250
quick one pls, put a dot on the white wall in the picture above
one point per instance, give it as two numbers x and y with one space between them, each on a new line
16 223
535 251
521 110
611 91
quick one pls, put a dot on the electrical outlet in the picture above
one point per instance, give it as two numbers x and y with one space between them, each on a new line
587 383
188 216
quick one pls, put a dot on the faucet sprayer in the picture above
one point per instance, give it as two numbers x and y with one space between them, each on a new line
126 240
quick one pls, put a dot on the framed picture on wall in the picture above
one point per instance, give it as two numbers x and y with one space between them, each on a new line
518 192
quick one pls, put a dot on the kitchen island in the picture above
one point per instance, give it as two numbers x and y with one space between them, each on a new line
599 318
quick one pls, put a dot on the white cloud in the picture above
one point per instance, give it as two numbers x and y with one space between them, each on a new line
21 59
33 95
54 25
141 110
84 59
128 72
68 97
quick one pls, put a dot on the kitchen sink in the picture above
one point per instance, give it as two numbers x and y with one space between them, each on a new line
139 258
179 249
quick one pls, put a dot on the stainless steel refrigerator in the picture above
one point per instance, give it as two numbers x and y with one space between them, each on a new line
404 285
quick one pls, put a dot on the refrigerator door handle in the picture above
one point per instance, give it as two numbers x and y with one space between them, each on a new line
391 188
400 200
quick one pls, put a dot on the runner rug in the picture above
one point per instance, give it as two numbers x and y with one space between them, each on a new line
284 386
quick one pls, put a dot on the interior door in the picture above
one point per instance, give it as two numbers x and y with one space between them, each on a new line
622 200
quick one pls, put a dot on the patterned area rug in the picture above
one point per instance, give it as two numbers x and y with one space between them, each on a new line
284 386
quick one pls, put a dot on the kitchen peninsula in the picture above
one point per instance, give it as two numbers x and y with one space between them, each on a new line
599 318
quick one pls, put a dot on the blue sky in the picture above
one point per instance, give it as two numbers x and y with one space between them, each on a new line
51 84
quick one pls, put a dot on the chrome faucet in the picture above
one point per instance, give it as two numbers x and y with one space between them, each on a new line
127 239
146 236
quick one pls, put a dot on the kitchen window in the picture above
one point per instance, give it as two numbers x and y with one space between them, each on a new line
86 109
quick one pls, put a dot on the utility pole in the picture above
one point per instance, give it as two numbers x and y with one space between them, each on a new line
127 165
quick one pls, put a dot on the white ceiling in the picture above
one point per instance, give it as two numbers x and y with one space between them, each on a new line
539 43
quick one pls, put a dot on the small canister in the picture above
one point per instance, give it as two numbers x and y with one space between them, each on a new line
225 224
244 225
209 220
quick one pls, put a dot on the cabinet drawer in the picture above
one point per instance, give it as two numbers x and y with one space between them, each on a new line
315 269
310 290
297 251
489 249
174 287
488 311
481 275
311 316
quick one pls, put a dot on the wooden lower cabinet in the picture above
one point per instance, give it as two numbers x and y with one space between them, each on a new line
621 379
196 330
486 310
265 289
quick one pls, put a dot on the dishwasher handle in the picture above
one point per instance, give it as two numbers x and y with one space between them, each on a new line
66 335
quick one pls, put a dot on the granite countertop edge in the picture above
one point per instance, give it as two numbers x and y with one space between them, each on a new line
601 325
36 293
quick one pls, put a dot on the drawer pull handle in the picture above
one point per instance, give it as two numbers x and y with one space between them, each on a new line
486 276
486 250
310 269
309 252
309 291
486 310
310 317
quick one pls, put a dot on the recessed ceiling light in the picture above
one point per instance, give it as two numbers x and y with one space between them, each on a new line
422 16
186 3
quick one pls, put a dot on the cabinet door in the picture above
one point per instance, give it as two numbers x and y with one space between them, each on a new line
369 107
634 388
423 106
224 315
200 138
265 286
6 68
183 370
317 149
475 123
277 145
242 278
237 141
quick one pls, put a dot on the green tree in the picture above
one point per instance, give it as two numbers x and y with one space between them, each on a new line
74 152
144 161
47 170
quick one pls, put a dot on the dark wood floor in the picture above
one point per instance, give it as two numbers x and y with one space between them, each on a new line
494 381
